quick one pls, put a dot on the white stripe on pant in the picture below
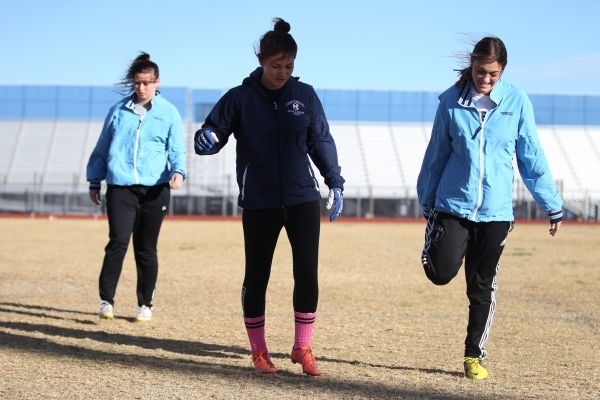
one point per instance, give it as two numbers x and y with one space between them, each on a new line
448 241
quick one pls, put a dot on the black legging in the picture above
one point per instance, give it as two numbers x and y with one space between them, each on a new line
261 230
139 210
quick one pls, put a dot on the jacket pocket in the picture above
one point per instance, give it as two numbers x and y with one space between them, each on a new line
299 178
243 188
312 175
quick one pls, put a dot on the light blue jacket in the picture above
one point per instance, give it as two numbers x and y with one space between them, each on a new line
467 170
133 150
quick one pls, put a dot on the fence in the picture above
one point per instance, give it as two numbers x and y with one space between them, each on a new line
44 199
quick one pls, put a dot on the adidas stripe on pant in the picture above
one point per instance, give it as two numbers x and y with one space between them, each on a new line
448 241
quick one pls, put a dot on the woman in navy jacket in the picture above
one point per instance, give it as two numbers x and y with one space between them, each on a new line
278 123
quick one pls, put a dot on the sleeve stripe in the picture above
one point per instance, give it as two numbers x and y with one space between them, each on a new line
556 215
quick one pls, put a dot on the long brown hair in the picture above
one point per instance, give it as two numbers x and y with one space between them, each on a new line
487 50
142 63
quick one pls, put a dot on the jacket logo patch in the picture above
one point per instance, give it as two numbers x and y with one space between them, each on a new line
295 107
506 113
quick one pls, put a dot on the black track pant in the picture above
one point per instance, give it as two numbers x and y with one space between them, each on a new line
139 210
449 240
261 230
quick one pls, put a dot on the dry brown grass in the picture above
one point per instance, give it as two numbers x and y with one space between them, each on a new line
383 330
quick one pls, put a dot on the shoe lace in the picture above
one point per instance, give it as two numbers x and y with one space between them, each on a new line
143 310
471 361
260 358
308 356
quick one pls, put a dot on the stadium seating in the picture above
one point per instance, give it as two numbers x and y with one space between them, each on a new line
48 133
379 157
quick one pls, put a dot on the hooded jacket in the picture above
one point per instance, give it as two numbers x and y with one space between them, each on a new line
274 141
467 169
135 150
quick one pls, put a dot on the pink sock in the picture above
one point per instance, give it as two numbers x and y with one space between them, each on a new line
255 327
304 323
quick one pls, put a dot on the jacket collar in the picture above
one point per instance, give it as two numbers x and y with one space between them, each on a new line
131 103
254 81
497 93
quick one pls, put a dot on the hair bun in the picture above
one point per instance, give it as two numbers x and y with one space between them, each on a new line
142 57
281 25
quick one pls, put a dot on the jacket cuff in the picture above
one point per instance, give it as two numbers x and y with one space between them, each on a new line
337 182
555 216
426 212
95 185
180 173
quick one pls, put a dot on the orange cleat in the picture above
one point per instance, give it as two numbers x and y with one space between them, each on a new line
262 362
304 357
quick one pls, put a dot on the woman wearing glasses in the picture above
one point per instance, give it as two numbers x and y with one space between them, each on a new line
466 182
141 155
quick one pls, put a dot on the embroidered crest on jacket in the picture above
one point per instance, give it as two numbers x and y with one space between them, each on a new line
295 107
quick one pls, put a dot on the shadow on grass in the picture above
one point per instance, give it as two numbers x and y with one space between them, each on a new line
175 346
231 374
194 348
53 309
44 308
44 315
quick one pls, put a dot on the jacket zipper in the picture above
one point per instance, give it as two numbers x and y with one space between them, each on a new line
135 150
481 166
481 130
278 155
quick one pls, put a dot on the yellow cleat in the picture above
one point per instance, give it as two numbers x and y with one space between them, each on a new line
473 369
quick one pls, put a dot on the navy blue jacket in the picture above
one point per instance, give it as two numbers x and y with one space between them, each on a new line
274 141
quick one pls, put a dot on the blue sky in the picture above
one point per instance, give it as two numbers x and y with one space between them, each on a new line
553 46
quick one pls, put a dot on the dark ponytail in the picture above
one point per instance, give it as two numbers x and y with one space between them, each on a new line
141 64
488 50
277 41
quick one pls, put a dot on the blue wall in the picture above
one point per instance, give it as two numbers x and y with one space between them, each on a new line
363 105
72 102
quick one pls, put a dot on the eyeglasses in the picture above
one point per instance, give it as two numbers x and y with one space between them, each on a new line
482 72
144 83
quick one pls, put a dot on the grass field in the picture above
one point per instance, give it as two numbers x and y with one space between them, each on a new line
383 330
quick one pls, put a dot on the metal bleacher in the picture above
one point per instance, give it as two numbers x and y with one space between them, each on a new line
377 144
351 158
411 141
380 136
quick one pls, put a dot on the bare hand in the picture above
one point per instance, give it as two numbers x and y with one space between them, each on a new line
95 196
554 228
176 181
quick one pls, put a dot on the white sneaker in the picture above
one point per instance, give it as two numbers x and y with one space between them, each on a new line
106 310
144 314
